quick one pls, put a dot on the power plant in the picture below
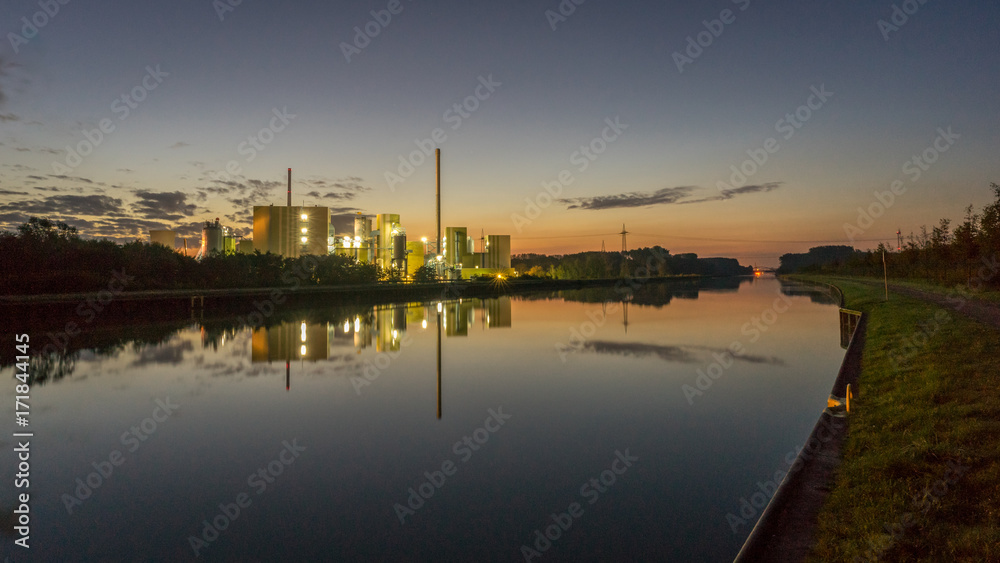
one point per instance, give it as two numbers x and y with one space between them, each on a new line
294 231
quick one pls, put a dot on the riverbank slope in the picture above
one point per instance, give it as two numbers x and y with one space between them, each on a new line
921 465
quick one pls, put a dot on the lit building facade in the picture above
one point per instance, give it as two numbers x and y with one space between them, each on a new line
291 231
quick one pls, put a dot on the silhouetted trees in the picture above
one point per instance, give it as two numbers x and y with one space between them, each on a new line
47 257
967 254
654 261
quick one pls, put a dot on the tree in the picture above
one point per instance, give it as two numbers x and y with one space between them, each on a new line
424 274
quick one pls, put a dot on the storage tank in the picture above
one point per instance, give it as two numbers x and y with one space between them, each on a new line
212 238
399 251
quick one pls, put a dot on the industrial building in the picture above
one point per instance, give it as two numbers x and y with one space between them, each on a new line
216 238
294 231
166 238
291 231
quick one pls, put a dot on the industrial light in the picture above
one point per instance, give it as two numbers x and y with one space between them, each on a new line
439 307
304 230
347 326
423 324
305 239
304 216
423 239
395 334
440 258
302 350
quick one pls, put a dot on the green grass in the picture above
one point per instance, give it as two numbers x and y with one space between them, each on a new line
909 420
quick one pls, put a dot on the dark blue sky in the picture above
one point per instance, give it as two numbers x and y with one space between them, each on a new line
220 83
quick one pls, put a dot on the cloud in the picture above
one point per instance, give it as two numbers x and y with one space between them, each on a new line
677 195
8 192
5 117
342 196
179 145
71 178
631 199
72 205
166 206
757 188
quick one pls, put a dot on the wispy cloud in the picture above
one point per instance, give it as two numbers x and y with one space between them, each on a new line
179 145
166 206
665 196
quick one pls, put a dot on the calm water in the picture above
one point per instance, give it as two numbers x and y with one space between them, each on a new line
320 427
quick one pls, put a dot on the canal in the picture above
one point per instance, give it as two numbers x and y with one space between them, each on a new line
585 425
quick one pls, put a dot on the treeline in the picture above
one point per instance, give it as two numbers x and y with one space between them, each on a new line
654 261
966 254
46 257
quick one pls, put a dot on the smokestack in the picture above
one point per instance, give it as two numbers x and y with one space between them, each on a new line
289 187
437 153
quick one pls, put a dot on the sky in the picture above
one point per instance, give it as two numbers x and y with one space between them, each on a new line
735 128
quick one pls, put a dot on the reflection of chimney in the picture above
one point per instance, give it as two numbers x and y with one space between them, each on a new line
289 187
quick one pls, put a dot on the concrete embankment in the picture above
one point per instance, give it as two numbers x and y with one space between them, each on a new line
785 531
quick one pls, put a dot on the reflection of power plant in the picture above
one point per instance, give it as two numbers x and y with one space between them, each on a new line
382 327
290 341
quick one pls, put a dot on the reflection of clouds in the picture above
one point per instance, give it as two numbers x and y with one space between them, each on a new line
680 354
171 354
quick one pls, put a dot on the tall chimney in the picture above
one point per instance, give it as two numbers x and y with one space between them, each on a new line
289 187
437 153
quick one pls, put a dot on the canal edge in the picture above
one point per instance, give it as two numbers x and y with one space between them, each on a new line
785 530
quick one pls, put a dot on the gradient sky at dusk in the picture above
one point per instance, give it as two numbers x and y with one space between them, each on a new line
163 165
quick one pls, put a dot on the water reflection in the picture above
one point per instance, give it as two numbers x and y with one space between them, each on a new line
311 335
367 448
681 354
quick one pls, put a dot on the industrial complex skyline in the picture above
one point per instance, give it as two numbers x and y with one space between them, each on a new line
735 128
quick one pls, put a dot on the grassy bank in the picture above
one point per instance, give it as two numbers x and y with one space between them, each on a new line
920 478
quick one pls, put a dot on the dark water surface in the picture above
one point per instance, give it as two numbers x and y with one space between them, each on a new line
326 429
